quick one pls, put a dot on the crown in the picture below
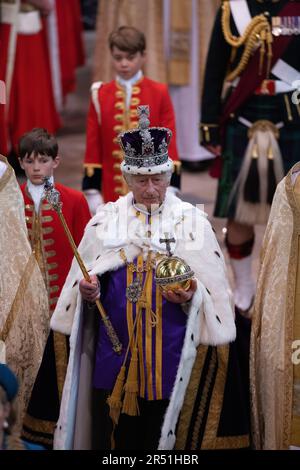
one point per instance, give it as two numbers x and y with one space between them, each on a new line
145 148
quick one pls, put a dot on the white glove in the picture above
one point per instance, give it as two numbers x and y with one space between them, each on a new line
94 199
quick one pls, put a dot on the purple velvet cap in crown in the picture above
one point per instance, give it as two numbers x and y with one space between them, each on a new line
145 148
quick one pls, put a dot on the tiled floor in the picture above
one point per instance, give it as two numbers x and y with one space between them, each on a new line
197 187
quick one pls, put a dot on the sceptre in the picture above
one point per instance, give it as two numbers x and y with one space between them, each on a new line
53 197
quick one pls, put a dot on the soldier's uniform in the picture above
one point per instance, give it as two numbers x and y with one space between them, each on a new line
250 106
54 255
271 100
25 67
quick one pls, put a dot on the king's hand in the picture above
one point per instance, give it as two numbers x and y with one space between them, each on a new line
180 296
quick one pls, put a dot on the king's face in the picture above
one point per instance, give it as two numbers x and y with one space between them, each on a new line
149 191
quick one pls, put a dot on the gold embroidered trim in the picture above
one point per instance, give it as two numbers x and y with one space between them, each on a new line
158 345
288 107
141 266
47 230
92 165
134 102
51 266
133 125
119 117
289 320
120 105
47 218
48 242
177 167
14 442
36 240
53 289
148 289
7 174
18 297
204 399
118 128
257 33
39 425
53 300
135 90
133 113
50 253
61 360
190 397
210 438
141 356
118 178
119 190
40 439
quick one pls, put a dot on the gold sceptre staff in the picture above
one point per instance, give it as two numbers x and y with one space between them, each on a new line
53 197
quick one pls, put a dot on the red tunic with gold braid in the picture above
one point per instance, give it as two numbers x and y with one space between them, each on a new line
48 239
109 118
24 51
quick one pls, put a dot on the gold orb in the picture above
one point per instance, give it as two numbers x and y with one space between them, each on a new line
173 273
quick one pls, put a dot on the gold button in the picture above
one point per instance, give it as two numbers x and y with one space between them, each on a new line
135 101
119 105
119 117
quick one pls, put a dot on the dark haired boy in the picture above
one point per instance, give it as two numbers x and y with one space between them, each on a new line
38 156
113 110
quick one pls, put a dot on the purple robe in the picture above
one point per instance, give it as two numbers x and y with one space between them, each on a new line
108 363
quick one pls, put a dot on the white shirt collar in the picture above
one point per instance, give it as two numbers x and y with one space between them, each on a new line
131 81
36 192
128 84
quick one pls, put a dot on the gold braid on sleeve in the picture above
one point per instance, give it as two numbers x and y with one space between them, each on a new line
258 33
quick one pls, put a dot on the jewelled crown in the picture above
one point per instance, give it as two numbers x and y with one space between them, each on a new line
145 148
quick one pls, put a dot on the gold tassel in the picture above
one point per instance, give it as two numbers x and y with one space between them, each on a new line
130 402
115 399
254 151
262 52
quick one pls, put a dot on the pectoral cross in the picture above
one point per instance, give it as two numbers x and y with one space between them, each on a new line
168 242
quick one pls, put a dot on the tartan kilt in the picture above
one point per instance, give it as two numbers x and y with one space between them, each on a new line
235 144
